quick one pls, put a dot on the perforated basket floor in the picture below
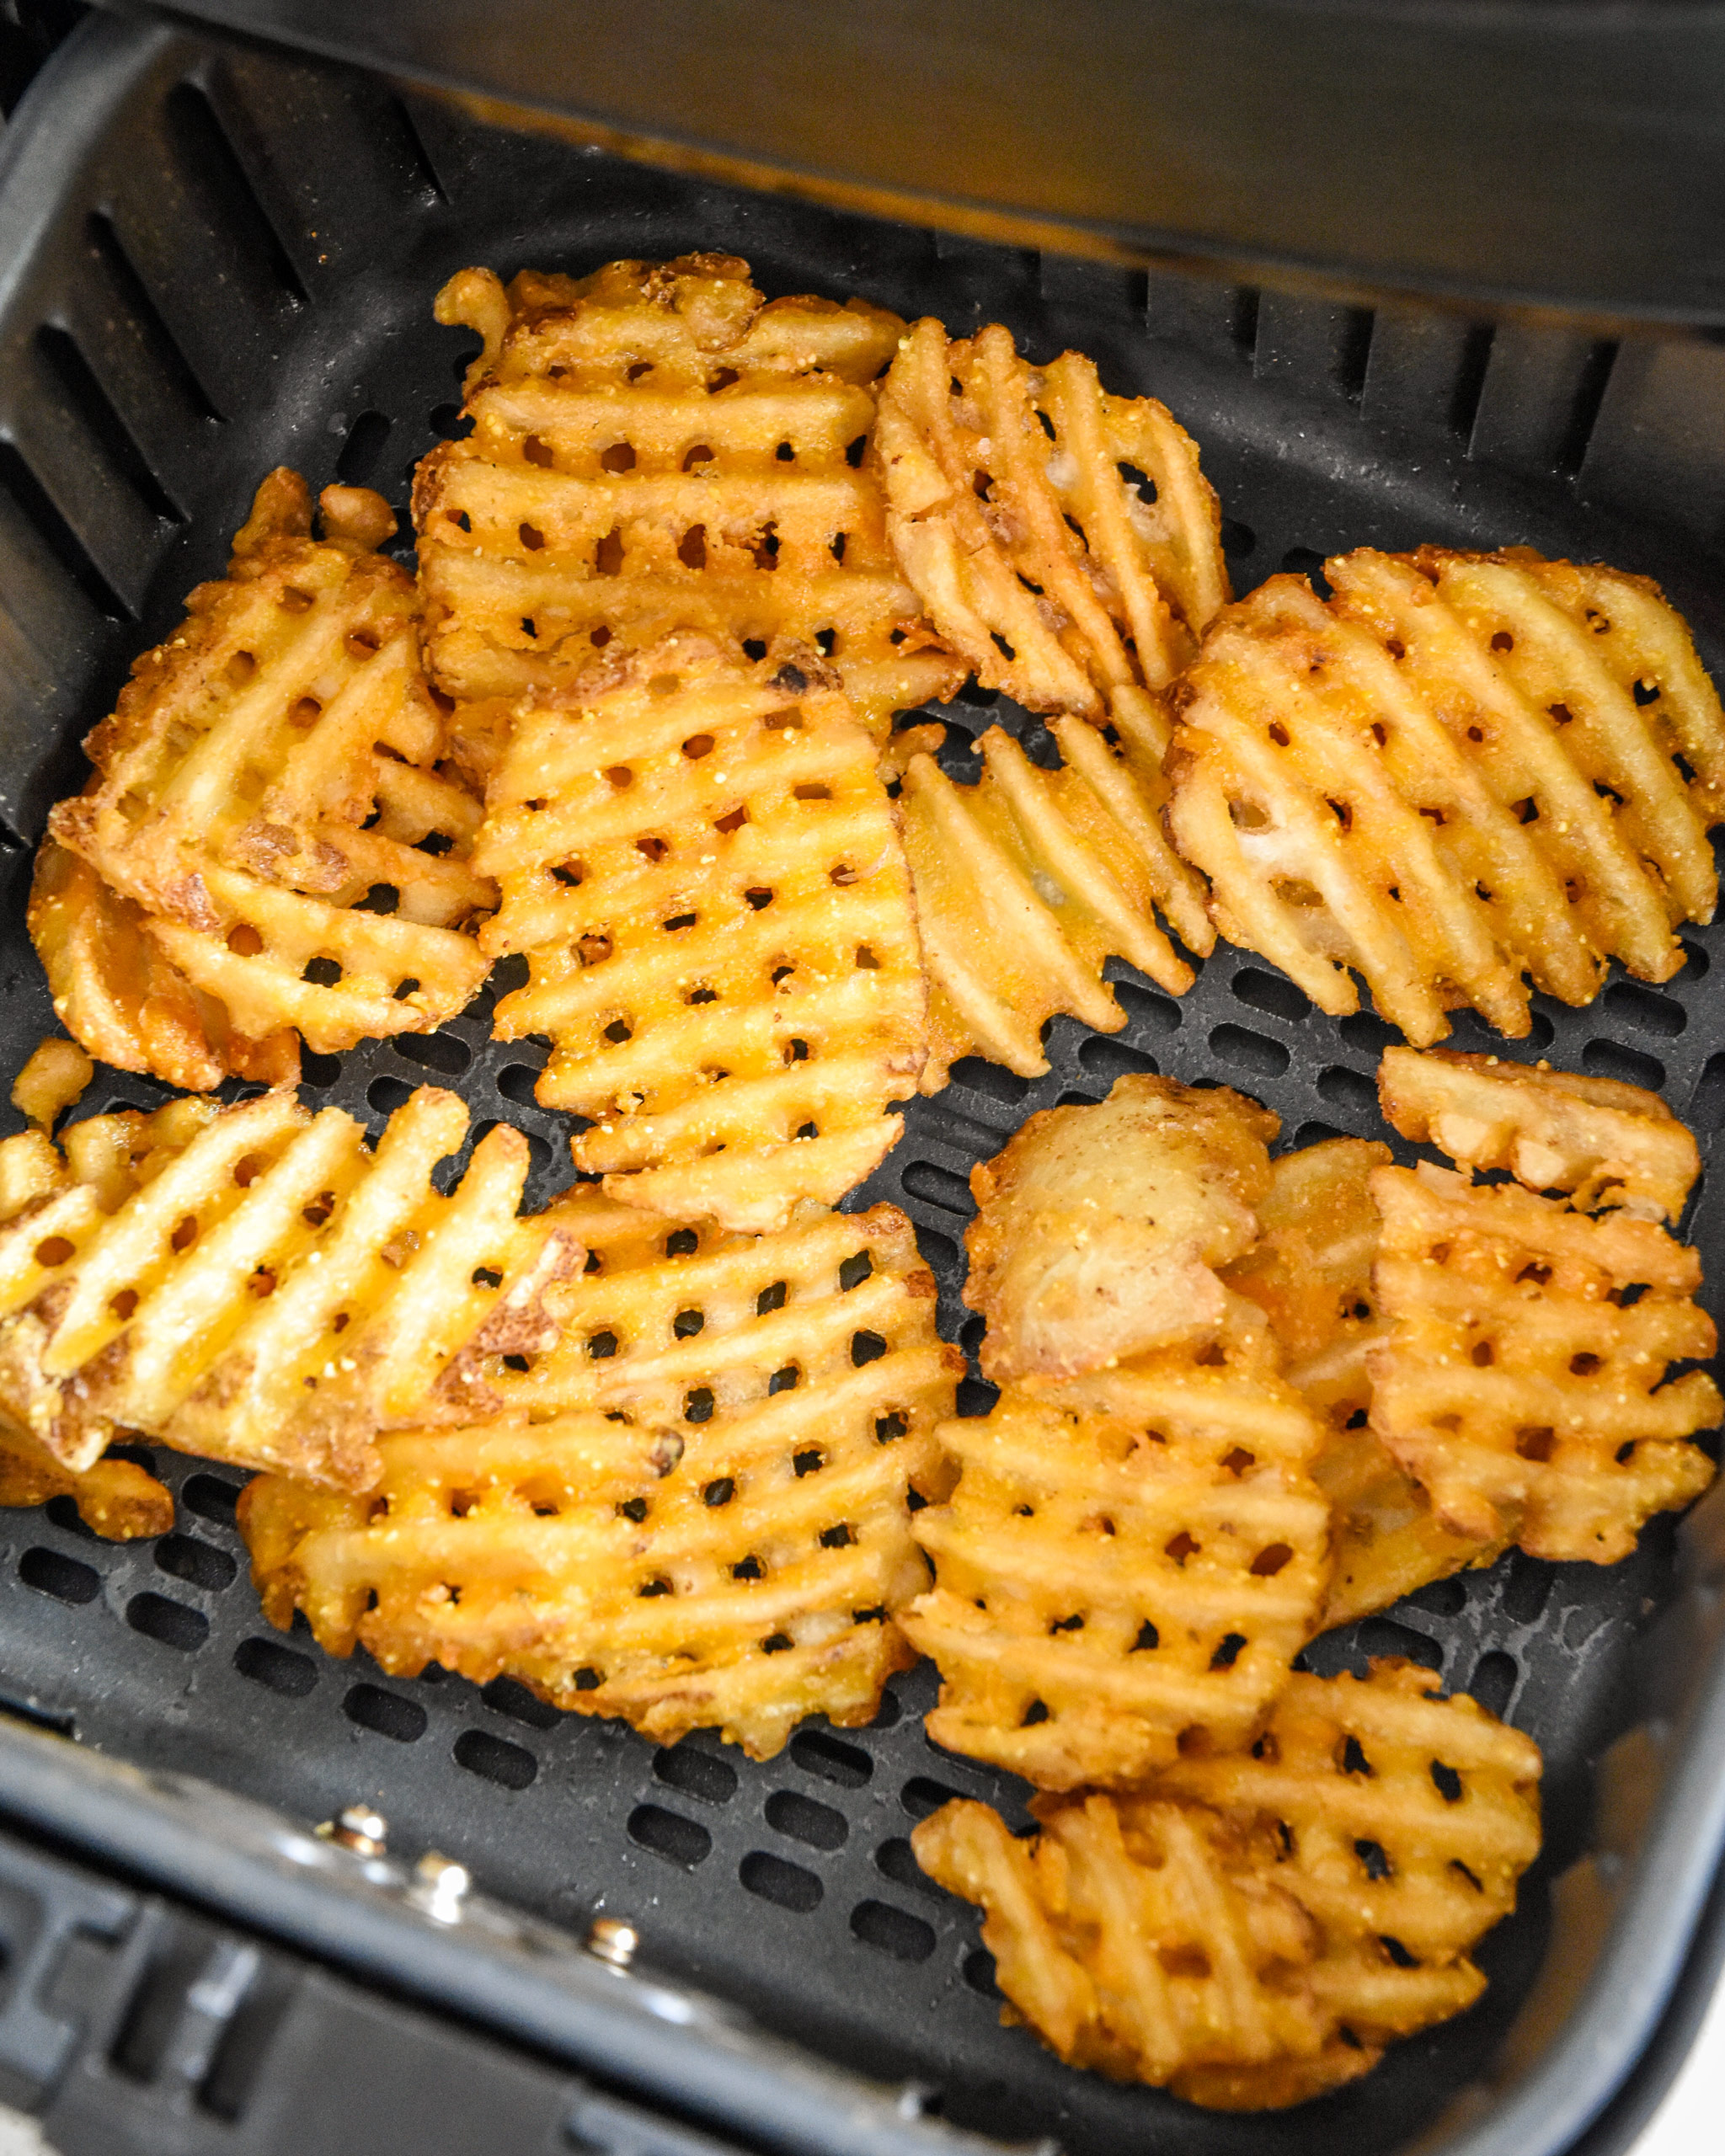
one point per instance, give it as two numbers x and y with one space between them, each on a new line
209 264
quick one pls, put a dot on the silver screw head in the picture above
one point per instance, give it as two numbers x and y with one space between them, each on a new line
357 1827
440 1886
613 1940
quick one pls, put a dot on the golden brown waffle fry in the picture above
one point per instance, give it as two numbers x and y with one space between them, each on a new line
1604 1142
56 1072
269 1292
1127 1559
1311 1273
1099 1227
654 449
1027 881
701 865
713 1532
1445 778
1012 511
1522 1379
115 1498
266 795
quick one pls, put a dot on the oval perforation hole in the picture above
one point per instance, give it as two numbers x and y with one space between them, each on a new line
172 1623
388 1713
696 1773
440 1052
199 1564
508 1695
818 1752
891 1931
786 1886
804 1820
683 1842
495 1759
51 1572
212 1497
922 1795
280 1669
1258 1053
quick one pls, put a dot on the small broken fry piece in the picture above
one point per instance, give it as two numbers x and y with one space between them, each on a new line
56 1074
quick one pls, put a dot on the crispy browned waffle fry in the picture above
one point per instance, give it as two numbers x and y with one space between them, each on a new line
1604 1142
1127 1559
653 450
115 1498
1522 1379
709 1524
1311 1273
1012 511
1027 881
1460 771
701 865
1100 1227
264 1290
267 811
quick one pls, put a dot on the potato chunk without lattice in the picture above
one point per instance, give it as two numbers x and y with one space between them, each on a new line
267 811
266 1290
1064 540
701 863
1460 771
708 1523
1128 1558
653 450
1028 881
1522 1379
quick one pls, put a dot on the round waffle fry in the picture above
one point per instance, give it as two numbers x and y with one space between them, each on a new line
706 1521
280 850
1523 1376
1604 1143
1099 1227
701 865
1017 503
1128 1559
654 448
1028 881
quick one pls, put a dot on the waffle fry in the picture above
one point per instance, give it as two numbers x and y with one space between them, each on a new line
1311 1273
1099 1227
714 1532
1445 778
268 1292
654 449
265 797
1027 881
1605 1144
1522 1379
1012 511
55 1074
1127 1559
700 861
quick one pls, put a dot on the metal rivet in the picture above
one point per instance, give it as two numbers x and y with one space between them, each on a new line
440 1887
358 1828
613 1940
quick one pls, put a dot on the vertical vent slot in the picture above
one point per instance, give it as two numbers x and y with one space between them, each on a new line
164 346
92 405
32 501
219 184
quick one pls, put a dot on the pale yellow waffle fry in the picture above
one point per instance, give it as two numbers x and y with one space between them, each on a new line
1012 512
1605 1144
1311 1273
266 797
271 1293
1099 1227
1128 1559
1028 881
54 1073
708 1526
653 450
1523 1377
701 865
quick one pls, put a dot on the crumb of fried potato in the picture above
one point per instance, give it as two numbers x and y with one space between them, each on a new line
57 1072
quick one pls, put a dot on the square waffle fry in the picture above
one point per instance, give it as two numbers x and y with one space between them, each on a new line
653 450
706 1523
1604 1143
1017 506
1028 881
267 808
1099 1227
1523 1377
701 865
1311 1273
1128 1559
1436 780
270 1293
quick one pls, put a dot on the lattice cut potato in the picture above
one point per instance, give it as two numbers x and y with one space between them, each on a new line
1065 541
1311 1273
1099 1229
1461 774
654 449
702 866
706 1523
1605 1144
1029 880
1129 1561
1523 1377
281 850
269 1292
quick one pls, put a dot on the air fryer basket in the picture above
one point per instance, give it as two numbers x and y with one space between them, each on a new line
212 260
